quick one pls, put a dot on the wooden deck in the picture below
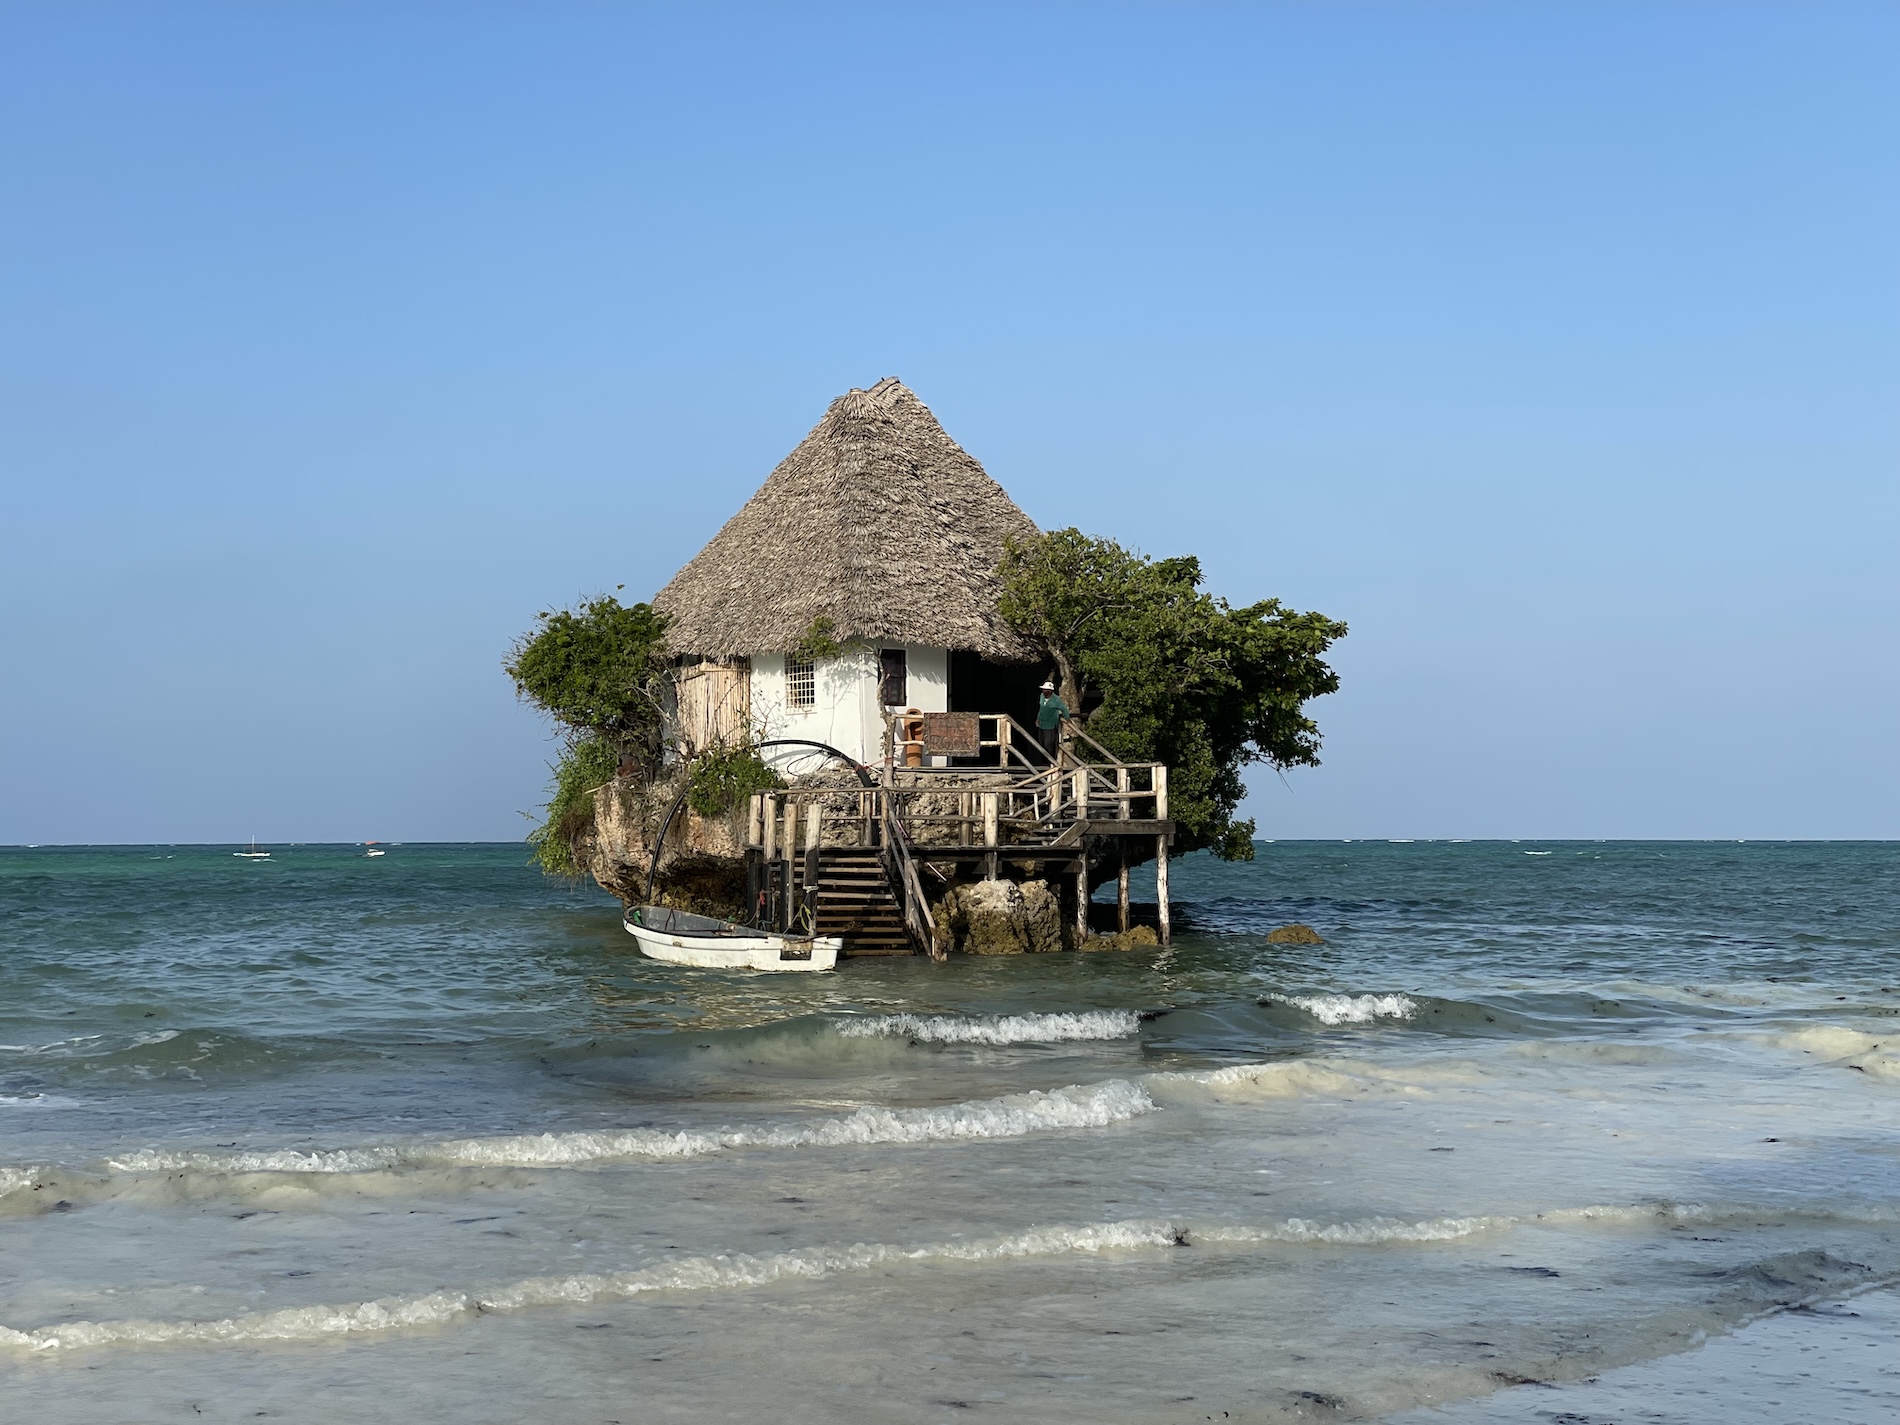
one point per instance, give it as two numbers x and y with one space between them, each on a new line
852 859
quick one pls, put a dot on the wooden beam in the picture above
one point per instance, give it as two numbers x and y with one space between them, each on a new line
788 848
1121 890
1161 888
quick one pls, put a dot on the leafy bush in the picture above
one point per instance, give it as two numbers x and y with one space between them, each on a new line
599 671
723 777
587 763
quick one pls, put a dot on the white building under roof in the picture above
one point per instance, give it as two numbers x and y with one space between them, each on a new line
883 525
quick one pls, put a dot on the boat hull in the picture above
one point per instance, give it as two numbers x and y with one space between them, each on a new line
732 949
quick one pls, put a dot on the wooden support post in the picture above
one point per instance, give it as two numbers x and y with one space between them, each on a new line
1002 742
1161 888
989 835
1082 902
1121 851
963 818
788 847
814 841
1079 789
768 855
1161 852
752 819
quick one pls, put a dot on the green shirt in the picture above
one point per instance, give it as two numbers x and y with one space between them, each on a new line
1051 713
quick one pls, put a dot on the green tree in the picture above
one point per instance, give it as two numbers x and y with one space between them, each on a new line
600 672
1183 677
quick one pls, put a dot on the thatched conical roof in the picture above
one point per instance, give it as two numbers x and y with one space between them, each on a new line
878 521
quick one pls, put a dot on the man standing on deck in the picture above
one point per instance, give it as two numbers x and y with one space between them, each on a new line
1049 717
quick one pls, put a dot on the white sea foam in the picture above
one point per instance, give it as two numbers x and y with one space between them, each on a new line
1352 1009
1011 1116
1711 1214
1876 1055
1061 1028
1280 1078
14 1180
724 1271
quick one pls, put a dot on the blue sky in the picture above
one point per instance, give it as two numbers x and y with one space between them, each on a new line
1555 347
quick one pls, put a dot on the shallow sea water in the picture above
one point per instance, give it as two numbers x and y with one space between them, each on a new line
1544 1131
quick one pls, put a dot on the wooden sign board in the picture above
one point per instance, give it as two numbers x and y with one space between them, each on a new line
951 735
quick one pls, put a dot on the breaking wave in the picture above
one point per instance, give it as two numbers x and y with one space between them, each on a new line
1812 1274
1064 1028
1352 1009
1011 1116
721 1272
1876 1055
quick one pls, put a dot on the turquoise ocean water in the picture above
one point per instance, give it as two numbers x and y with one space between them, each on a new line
421 1136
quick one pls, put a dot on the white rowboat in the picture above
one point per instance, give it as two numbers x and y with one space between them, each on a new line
680 938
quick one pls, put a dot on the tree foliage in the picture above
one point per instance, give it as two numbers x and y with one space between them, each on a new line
1182 677
585 763
820 640
599 671
725 776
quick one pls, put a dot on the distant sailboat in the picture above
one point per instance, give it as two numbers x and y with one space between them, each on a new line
251 853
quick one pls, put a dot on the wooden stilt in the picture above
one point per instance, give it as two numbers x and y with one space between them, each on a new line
788 846
1121 851
989 835
814 840
1161 888
1082 904
1161 853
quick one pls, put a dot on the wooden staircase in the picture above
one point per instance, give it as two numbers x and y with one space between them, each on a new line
855 902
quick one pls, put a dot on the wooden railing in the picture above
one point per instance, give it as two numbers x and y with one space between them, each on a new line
900 869
1025 806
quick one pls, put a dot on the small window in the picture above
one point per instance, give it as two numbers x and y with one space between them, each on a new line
801 683
893 678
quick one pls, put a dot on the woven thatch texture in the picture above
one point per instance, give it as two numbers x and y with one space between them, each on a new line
878 521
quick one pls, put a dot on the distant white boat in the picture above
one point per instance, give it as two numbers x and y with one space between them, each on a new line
251 853
680 938
370 849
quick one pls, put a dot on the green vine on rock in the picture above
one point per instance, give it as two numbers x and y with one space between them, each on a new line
723 777
586 764
600 671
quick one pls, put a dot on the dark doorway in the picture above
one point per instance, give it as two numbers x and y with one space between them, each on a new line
893 678
980 686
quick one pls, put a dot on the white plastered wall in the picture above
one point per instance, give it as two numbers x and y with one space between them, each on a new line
845 713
